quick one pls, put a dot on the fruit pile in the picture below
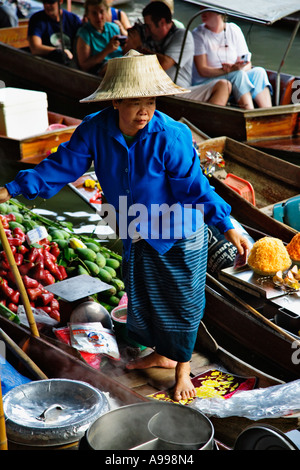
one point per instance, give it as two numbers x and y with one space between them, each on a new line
57 256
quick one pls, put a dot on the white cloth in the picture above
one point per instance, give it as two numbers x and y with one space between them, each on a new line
220 48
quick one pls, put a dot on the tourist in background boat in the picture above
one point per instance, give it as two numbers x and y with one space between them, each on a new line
219 51
148 168
170 4
97 40
119 17
44 32
13 10
161 36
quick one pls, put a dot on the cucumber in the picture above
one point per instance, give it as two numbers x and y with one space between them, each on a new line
121 293
113 300
18 216
93 267
86 254
62 244
4 208
118 283
111 271
93 246
82 270
104 275
100 260
57 234
112 263
12 224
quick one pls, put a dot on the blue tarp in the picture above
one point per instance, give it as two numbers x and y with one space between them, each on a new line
10 378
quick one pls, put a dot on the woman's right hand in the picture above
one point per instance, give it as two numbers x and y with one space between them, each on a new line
4 195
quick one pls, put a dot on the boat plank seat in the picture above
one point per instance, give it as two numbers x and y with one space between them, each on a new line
15 36
286 86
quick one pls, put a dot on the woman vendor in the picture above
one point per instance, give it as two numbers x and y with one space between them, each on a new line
150 174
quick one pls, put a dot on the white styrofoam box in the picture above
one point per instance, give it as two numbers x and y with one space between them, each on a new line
23 113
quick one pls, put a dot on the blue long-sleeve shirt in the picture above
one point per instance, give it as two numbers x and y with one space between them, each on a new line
159 173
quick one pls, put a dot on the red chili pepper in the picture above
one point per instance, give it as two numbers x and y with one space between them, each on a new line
63 272
46 309
29 282
15 297
47 297
18 259
18 233
54 304
3 302
48 278
13 307
4 265
14 241
8 232
55 251
10 217
33 253
37 272
55 315
3 272
35 293
25 268
22 249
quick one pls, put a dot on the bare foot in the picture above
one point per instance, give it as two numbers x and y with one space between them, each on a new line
184 389
152 360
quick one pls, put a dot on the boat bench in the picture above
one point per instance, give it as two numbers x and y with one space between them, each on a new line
15 36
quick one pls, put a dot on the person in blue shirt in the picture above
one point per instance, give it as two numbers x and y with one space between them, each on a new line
152 180
44 32
97 39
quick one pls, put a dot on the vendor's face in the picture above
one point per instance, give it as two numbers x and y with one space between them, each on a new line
210 18
134 114
97 15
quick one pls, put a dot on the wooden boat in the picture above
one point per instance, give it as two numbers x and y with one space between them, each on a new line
58 360
124 387
273 180
65 86
33 149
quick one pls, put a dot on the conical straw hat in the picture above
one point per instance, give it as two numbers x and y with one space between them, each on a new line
134 76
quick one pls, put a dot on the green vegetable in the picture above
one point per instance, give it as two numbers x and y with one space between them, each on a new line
12 224
100 260
93 246
93 267
104 275
82 270
112 263
111 271
86 254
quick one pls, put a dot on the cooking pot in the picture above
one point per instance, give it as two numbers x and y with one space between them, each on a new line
51 412
153 425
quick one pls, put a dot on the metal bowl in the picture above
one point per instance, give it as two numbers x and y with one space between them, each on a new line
52 412
132 427
91 311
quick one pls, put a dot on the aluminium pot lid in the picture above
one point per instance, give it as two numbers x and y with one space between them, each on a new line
263 437
51 412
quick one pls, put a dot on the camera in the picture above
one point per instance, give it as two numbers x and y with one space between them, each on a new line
122 40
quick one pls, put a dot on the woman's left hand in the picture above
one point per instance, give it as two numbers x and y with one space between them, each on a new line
238 240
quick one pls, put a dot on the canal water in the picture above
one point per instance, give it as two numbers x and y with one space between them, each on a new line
267 44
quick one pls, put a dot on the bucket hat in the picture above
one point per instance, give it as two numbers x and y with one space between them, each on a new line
134 76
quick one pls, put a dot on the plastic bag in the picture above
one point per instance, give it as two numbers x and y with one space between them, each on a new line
93 338
272 402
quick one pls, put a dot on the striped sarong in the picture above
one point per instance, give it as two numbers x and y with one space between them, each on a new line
166 295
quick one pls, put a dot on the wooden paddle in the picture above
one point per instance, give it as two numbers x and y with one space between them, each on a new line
251 309
19 281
